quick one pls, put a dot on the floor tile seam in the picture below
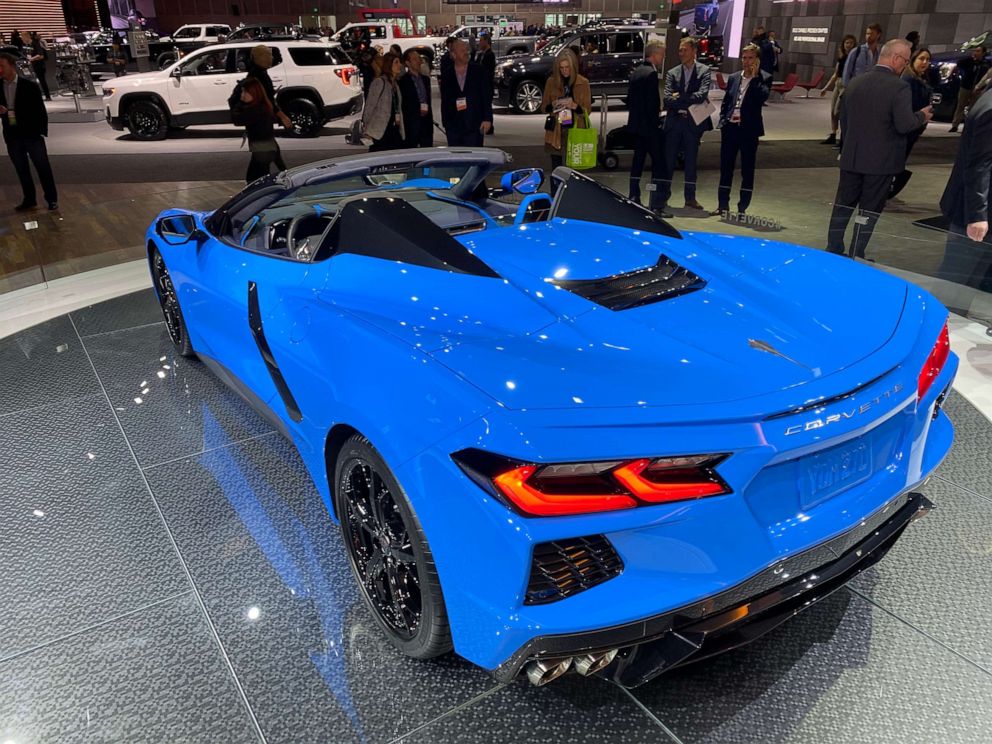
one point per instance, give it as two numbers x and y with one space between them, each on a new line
448 713
242 693
95 626
650 714
62 402
966 489
122 330
921 631
233 443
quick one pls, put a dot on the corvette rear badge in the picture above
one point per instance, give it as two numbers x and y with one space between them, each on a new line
768 348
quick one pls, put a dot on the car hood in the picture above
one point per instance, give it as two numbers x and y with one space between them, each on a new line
770 317
136 81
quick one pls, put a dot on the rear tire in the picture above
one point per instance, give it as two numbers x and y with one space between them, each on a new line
146 121
388 552
305 116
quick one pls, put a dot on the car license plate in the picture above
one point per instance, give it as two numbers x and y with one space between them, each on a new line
828 473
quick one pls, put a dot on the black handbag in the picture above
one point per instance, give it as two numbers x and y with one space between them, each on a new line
549 123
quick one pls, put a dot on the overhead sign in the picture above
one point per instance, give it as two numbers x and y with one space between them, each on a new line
809 34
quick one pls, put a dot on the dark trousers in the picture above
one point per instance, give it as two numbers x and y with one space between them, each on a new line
965 261
25 150
41 70
464 139
420 134
261 163
857 191
390 140
682 135
654 145
732 143
900 181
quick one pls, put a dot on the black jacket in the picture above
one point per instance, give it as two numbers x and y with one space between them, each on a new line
971 71
29 110
479 100
261 74
643 101
258 123
967 195
487 60
412 120
752 124
876 114
693 91
766 53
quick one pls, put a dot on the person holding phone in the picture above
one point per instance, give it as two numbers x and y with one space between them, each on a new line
567 100
741 124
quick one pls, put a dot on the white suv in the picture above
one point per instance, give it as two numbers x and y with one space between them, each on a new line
202 33
315 82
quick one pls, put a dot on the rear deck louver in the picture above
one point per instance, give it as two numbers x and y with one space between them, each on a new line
662 281
562 568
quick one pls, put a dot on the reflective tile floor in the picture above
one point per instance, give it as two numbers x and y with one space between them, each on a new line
169 574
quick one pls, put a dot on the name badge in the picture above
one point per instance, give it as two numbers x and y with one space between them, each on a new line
11 118
461 104
423 109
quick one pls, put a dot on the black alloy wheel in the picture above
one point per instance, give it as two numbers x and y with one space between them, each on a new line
526 98
388 553
305 117
169 301
146 121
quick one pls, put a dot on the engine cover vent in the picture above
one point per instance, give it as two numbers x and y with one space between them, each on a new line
562 568
662 281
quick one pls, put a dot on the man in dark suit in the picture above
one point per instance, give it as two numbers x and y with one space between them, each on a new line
644 121
25 126
418 113
741 124
466 100
966 201
486 57
876 114
687 91
766 50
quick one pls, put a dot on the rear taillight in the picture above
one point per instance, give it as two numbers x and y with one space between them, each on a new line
587 487
935 363
346 73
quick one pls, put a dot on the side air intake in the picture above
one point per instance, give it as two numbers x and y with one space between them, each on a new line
562 568
664 280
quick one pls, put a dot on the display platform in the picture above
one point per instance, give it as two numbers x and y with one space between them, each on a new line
170 574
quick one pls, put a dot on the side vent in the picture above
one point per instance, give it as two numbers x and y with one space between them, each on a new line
664 280
562 568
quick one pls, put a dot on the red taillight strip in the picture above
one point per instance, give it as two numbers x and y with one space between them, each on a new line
513 484
656 493
935 363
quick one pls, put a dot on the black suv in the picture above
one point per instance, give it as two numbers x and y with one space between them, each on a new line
607 55
945 78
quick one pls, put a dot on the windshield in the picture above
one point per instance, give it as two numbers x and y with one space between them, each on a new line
558 43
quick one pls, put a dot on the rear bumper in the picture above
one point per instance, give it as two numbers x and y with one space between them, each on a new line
339 110
737 615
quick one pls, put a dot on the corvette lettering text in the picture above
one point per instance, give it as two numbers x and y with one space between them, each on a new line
820 423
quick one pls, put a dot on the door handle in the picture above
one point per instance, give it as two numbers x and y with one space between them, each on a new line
220 82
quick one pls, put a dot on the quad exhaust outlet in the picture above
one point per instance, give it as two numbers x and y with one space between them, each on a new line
542 671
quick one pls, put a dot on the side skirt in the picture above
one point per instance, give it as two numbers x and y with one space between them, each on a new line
246 393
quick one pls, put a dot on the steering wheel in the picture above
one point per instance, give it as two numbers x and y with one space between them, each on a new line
524 209
301 250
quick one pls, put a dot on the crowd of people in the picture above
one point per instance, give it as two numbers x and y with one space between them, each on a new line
880 106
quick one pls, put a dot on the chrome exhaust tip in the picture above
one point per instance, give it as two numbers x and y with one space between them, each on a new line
542 671
592 663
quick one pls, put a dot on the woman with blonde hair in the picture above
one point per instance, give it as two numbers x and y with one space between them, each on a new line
567 102
383 113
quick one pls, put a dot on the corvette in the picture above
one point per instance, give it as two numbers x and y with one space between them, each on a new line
557 434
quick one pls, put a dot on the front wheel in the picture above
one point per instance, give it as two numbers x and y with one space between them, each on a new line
526 97
388 552
169 301
305 117
146 121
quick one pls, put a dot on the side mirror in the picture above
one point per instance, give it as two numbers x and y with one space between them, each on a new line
523 181
178 229
177 72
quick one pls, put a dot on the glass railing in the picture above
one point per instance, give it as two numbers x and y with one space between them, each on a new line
41 246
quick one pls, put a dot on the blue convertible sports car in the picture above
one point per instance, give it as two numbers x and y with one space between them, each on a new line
557 433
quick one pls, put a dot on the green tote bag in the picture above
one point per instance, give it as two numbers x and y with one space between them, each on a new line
580 149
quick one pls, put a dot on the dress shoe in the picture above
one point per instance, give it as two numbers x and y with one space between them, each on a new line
830 140
719 211
694 205
52 206
25 206
663 213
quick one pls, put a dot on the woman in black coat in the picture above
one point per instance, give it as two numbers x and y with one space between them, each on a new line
917 75
255 112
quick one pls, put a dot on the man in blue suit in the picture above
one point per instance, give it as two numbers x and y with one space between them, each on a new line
687 90
741 125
